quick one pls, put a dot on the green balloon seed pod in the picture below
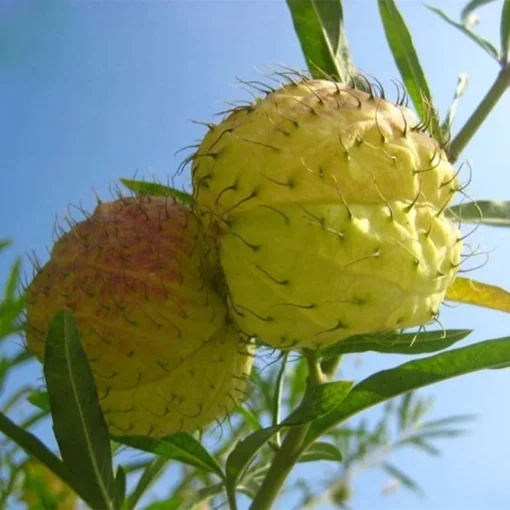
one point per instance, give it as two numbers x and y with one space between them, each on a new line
329 207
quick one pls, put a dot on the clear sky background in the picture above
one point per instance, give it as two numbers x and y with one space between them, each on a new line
91 91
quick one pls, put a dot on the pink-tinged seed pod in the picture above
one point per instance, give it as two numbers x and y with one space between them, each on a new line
144 284
329 203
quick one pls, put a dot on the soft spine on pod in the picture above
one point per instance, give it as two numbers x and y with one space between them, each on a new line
330 207
143 282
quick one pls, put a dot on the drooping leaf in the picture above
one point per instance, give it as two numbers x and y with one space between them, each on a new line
320 451
480 41
320 30
472 292
471 7
182 447
78 421
394 342
387 384
407 61
488 212
318 402
505 31
151 473
156 190
402 478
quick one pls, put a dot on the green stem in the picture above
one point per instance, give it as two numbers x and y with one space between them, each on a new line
282 465
290 451
277 401
232 501
478 117
151 473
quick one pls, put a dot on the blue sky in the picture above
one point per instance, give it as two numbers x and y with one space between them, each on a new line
93 91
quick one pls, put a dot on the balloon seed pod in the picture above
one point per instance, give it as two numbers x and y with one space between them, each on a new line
330 205
144 284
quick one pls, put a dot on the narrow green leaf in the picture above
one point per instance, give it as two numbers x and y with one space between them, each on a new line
399 475
192 502
398 343
40 399
470 7
249 417
388 384
249 488
15 397
320 30
483 43
403 411
320 451
505 31
264 385
173 503
78 421
133 467
5 243
156 190
182 447
42 496
10 314
450 116
424 446
120 487
34 418
151 473
318 402
278 391
420 409
450 420
297 382
13 280
38 450
402 46
441 434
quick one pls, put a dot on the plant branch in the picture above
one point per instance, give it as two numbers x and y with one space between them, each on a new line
478 117
290 451
282 465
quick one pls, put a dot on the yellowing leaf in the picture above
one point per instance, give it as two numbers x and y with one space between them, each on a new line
464 290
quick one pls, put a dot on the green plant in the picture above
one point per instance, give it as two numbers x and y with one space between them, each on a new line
297 411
